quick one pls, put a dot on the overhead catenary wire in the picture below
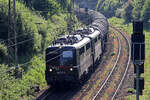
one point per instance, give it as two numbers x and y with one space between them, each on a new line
53 51
2 41
18 36
24 41
41 57
20 42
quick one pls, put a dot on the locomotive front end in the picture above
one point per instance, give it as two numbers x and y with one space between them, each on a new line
61 65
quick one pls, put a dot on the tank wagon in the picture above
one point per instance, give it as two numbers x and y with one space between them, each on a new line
71 57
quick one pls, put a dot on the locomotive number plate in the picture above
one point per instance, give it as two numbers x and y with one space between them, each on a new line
56 68
61 72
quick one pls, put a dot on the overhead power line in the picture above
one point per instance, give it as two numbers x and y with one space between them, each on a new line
2 41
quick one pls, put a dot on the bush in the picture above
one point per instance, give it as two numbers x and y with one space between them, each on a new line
3 53
25 87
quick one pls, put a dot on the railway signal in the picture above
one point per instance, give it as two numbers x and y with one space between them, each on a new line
138 55
138 45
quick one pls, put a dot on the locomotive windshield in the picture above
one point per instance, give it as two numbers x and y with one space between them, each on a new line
59 57
66 58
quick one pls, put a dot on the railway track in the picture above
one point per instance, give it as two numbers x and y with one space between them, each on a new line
128 63
57 94
112 97
109 75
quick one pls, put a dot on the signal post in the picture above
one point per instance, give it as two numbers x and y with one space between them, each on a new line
138 56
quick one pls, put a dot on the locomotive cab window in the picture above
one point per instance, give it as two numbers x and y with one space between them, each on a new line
67 58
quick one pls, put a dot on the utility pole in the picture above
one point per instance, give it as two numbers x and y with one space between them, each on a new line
69 19
73 16
73 4
8 31
12 50
15 33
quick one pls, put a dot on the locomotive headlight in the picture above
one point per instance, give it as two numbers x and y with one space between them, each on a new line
71 69
60 47
50 70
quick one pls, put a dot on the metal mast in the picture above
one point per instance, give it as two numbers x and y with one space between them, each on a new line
15 33
12 50
8 31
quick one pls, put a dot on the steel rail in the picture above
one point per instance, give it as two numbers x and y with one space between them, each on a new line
47 94
126 70
105 81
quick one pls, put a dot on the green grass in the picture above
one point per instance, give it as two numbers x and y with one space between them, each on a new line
118 22
128 28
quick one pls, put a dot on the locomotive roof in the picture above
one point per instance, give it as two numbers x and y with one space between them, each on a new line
76 45
80 40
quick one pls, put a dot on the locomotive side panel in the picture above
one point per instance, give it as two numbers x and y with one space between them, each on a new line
98 49
85 59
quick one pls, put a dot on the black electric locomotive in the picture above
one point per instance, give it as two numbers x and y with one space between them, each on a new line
73 56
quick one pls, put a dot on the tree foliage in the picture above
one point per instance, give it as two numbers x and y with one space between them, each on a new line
127 9
138 5
108 7
145 14
52 6
127 13
47 7
31 26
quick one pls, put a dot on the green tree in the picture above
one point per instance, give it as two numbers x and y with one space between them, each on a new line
49 7
109 7
146 11
138 5
64 3
127 12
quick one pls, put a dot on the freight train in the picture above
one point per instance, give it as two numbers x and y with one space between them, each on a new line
71 57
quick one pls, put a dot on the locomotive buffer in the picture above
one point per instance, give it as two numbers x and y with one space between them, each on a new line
138 55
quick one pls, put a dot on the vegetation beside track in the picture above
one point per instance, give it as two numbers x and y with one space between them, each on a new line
128 28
